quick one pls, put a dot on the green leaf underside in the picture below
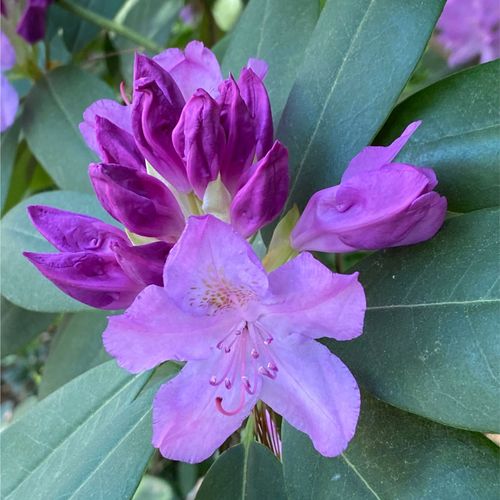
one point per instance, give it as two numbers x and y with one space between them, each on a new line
459 136
276 31
20 326
393 455
91 435
252 473
430 342
358 60
76 348
22 283
52 112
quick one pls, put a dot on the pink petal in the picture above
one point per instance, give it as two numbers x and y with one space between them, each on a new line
262 198
154 329
374 157
313 301
315 392
258 66
212 268
9 102
186 423
7 53
195 68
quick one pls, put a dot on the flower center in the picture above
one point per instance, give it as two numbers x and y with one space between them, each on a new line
246 356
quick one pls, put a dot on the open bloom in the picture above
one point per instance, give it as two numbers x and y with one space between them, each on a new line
189 136
246 335
470 29
33 21
378 204
163 159
9 100
97 263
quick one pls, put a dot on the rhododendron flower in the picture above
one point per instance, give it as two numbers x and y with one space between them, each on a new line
97 264
32 24
163 159
246 335
208 140
470 29
378 204
9 100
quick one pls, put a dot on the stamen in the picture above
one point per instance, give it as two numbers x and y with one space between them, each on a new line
123 93
254 353
272 366
213 380
228 383
247 385
266 373
230 413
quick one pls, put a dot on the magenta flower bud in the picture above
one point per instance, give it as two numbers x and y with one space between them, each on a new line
262 198
116 145
97 264
378 204
240 135
33 20
255 95
199 139
142 203
116 113
156 109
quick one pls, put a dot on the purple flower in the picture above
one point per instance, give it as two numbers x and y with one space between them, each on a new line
208 140
9 100
246 335
96 263
470 29
31 26
378 204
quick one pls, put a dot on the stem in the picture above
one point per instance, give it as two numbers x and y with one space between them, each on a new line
109 25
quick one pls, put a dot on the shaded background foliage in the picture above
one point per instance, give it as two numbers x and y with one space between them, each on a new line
343 74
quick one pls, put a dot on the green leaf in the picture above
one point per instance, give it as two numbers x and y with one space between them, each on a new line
92 435
264 32
459 136
153 19
430 342
22 283
244 473
52 112
358 61
8 150
154 488
76 348
393 455
20 326
77 32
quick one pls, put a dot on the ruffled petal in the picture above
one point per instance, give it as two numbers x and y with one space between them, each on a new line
374 157
186 423
154 330
315 392
311 300
96 279
262 198
72 232
194 68
106 108
138 200
212 269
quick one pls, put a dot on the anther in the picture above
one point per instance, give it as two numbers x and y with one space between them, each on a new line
254 353
268 340
228 383
266 372
213 380
247 385
272 366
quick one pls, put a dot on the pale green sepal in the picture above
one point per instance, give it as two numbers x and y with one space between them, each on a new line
137 239
217 200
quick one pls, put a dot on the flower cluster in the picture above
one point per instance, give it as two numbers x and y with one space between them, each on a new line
190 168
189 143
470 29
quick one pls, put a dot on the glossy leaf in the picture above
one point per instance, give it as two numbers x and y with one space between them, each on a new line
250 473
22 284
52 112
76 348
8 149
358 61
430 342
153 19
393 455
459 136
20 326
264 31
92 435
